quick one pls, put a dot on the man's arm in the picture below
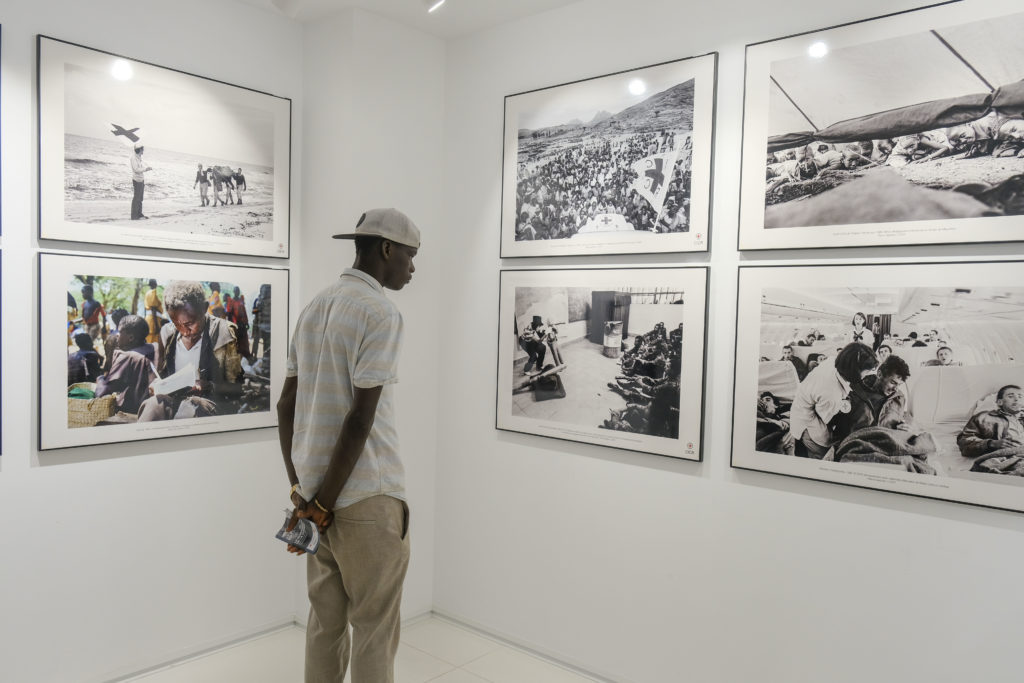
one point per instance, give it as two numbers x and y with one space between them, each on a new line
354 432
286 425
978 438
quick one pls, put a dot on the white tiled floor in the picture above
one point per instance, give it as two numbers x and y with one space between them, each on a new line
432 650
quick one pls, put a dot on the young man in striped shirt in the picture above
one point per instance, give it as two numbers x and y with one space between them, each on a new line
340 445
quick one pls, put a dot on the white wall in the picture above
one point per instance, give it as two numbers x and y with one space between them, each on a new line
649 569
374 122
117 558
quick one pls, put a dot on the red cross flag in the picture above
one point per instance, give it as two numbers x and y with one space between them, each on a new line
654 175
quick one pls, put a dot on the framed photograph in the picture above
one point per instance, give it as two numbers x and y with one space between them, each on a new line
902 377
906 129
156 348
619 164
120 140
599 356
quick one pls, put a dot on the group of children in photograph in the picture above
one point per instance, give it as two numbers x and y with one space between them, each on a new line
990 136
854 406
557 196
192 329
650 383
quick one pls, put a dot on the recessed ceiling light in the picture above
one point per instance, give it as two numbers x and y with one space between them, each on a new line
818 49
121 70
433 4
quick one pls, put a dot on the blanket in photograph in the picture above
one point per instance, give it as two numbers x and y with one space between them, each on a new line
1002 461
891 446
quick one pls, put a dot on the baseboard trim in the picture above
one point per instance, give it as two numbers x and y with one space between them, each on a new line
217 646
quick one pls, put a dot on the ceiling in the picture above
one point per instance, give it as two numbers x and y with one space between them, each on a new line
455 18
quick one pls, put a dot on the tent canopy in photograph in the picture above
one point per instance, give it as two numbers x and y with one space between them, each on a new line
899 86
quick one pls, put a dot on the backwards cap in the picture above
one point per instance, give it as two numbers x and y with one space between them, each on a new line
391 224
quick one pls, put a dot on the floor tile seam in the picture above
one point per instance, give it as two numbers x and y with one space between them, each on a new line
431 654
515 647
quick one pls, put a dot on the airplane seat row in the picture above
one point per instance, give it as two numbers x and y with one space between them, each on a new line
944 398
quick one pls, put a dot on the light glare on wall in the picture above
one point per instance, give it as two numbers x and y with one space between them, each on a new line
433 4
818 50
637 87
121 70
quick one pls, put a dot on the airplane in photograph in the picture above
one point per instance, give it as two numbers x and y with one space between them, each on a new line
130 133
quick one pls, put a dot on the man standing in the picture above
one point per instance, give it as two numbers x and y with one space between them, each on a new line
340 445
239 184
138 181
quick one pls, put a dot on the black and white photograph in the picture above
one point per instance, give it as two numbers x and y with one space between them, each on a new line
901 377
610 357
611 165
157 348
137 154
907 129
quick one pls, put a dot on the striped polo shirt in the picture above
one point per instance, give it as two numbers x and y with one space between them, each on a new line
348 336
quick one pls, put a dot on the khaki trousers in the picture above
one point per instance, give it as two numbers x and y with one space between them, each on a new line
356 578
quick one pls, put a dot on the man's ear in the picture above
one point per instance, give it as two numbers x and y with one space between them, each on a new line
385 249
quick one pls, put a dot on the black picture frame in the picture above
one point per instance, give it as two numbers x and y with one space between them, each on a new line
66 422
854 158
954 327
573 162
588 389
94 107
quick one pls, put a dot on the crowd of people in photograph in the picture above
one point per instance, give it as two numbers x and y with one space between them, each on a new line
189 328
558 195
992 135
650 383
855 407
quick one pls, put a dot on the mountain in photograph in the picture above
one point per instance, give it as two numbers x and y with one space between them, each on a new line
671 108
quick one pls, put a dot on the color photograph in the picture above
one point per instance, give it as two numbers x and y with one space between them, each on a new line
901 377
156 348
611 165
933 152
132 153
602 356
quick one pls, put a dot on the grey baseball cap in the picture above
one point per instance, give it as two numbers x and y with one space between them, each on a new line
391 224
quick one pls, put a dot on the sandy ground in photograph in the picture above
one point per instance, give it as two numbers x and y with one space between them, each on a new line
250 219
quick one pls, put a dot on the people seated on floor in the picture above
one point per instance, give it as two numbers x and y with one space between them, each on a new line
650 383
195 338
943 358
773 426
995 430
131 368
83 364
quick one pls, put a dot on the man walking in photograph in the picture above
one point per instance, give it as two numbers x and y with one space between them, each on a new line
340 444
138 181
